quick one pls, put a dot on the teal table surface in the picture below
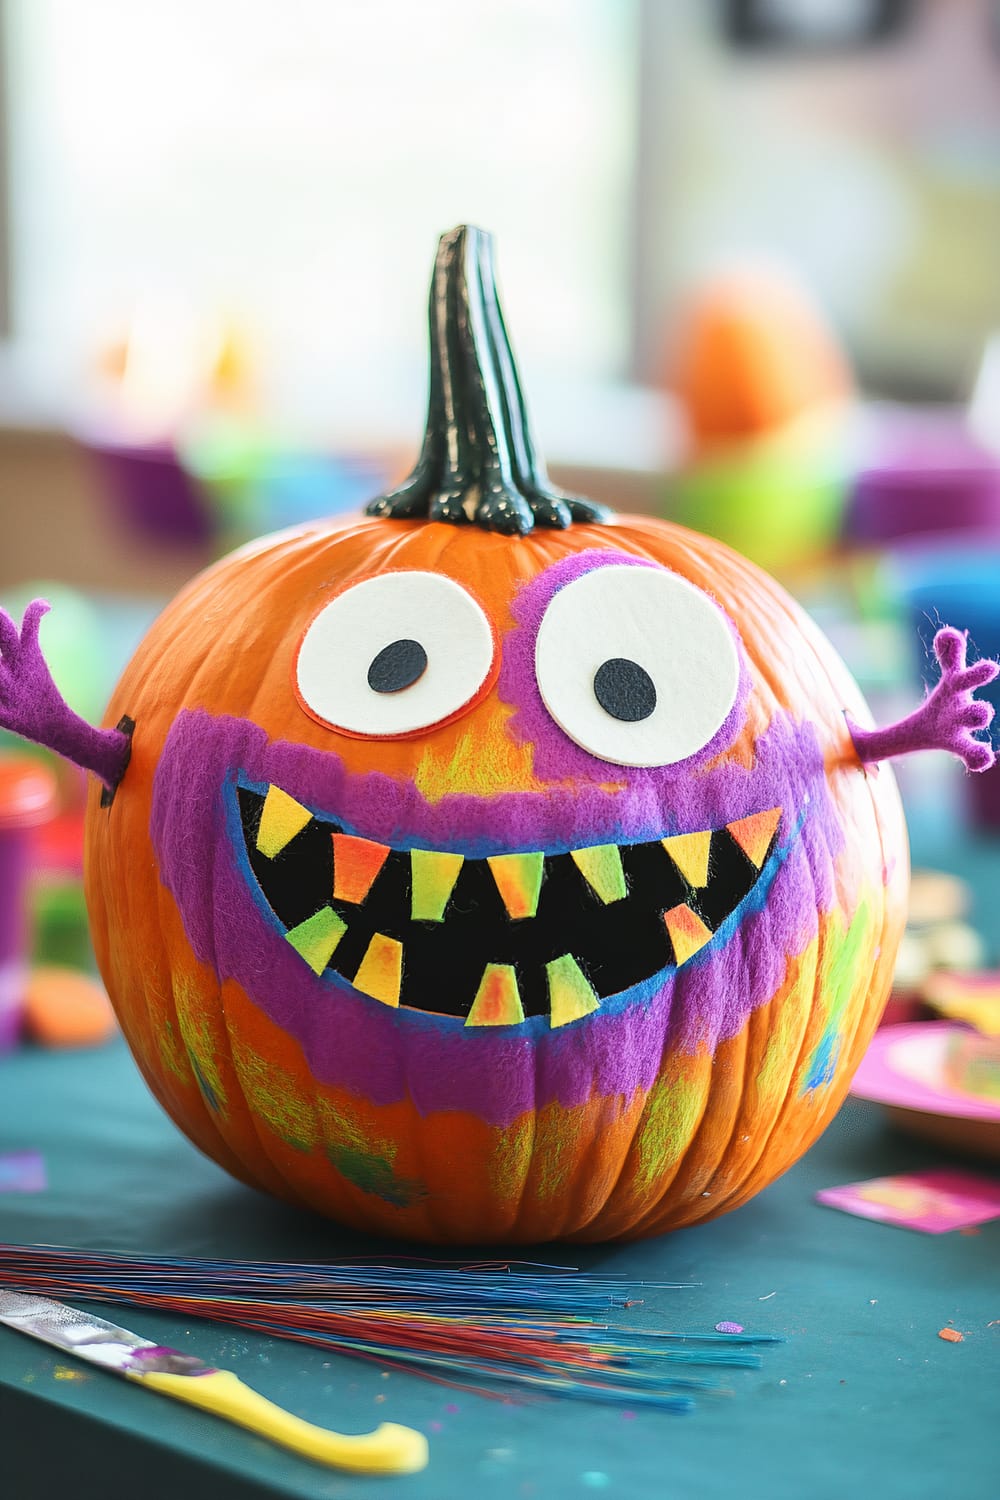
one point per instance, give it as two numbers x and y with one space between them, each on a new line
862 1394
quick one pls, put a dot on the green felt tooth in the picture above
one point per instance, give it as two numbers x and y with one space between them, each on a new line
317 937
570 993
601 868
433 876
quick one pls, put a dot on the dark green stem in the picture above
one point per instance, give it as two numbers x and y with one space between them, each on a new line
478 462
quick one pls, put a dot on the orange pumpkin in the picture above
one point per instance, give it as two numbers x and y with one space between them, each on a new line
664 1088
496 882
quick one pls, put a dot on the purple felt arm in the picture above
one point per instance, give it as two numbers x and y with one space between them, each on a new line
31 704
948 715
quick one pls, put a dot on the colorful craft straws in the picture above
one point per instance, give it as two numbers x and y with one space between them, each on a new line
541 1328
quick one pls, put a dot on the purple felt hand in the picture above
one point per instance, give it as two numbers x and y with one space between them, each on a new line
31 704
948 715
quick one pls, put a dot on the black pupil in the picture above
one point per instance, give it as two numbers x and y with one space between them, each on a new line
397 666
624 690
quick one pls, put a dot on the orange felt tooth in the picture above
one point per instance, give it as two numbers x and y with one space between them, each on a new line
754 834
519 880
689 852
498 1000
356 862
687 932
381 971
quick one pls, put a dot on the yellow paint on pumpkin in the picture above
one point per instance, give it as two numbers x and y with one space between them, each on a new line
381 971
356 862
601 868
688 932
754 834
570 993
673 1109
199 1041
317 937
476 764
784 1036
432 879
273 1094
281 819
498 1000
519 880
689 852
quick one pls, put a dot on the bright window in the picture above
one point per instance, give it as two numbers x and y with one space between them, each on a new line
291 166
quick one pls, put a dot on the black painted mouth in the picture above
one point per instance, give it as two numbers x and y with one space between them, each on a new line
652 916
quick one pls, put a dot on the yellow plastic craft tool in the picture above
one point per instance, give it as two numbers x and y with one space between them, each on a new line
390 1449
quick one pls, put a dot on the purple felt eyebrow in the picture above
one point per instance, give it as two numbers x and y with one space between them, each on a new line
31 705
948 715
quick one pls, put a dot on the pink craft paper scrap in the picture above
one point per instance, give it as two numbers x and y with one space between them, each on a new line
933 1202
22 1172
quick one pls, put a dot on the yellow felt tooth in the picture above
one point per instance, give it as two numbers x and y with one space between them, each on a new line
519 880
601 868
281 818
689 852
433 877
754 834
498 1000
317 937
570 992
381 971
687 932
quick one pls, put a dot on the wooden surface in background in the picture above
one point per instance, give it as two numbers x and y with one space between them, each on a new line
56 523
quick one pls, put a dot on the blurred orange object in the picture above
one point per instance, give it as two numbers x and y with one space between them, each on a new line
752 353
64 1008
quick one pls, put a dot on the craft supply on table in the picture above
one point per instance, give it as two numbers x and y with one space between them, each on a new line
27 800
906 1070
390 1449
937 937
935 1202
544 1329
973 998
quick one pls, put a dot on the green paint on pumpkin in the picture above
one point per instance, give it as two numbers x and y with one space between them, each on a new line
669 1121
374 1174
843 972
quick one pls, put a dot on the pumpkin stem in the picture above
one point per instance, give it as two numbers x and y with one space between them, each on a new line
478 462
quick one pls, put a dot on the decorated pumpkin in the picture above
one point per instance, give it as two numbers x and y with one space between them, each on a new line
490 868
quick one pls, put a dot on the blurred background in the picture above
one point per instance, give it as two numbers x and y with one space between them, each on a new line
748 252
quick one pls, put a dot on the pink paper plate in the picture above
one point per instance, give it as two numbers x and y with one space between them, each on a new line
903 1070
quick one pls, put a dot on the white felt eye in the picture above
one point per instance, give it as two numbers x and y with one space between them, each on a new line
395 654
636 665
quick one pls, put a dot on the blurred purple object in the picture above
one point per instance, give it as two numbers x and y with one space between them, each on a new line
156 497
27 799
928 477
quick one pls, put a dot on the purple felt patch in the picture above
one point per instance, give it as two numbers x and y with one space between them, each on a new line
22 1172
387 1054
556 756
948 715
32 706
